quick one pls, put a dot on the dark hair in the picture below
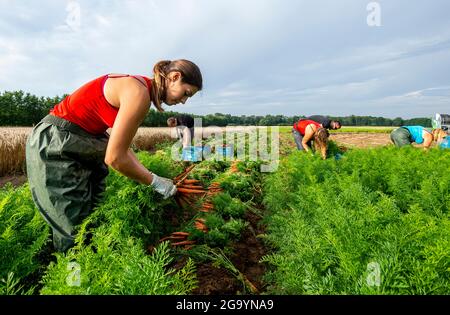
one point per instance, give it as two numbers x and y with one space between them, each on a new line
321 141
185 120
190 74
171 120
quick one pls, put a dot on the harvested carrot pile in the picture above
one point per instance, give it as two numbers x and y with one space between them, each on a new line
189 192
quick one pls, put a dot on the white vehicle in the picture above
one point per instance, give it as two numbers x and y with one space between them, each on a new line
441 121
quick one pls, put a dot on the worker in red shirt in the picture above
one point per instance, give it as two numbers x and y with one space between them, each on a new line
306 131
69 151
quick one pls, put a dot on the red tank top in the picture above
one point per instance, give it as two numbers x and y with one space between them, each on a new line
301 125
88 108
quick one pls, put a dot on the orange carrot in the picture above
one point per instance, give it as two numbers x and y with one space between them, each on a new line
186 200
190 191
190 199
177 178
191 181
190 186
201 228
181 233
250 285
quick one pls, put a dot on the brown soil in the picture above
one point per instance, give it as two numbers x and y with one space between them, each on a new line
249 251
15 180
361 140
215 281
246 256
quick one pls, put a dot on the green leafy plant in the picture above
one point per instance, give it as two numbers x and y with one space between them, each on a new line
110 251
227 206
377 214
23 238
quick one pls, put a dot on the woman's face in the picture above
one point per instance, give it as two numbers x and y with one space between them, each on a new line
178 91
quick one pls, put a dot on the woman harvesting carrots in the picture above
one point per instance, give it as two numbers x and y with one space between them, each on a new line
305 131
68 152
406 135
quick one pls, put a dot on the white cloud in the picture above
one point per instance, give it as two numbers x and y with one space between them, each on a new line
257 56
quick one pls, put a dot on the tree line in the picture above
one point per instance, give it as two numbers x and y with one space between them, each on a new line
18 108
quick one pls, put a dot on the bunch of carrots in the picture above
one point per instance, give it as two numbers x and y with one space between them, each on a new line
188 193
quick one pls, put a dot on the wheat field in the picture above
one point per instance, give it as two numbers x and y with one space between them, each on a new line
13 140
12 150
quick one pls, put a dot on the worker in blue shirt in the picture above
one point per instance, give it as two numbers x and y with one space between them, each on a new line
406 135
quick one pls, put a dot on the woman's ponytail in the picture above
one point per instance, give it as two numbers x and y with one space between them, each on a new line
159 84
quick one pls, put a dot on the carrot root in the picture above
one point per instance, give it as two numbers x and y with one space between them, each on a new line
190 187
183 243
191 181
190 191
181 233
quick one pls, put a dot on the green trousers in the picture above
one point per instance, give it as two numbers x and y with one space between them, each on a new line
401 137
66 174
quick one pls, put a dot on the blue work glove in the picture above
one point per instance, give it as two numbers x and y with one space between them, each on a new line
164 186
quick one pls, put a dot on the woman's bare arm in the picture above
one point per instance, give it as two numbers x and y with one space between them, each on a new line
427 139
186 137
134 104
309 134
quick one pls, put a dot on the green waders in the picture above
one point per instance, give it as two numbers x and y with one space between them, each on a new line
66 173
401 137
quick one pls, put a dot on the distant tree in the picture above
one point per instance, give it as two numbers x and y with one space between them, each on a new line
18 108
397 122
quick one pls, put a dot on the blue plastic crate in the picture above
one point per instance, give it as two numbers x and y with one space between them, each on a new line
192 154
445 143
226 151
206 150
195 153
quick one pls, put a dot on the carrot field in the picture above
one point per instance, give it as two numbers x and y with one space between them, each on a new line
363 221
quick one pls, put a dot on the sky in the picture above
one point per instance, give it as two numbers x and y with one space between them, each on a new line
387 58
